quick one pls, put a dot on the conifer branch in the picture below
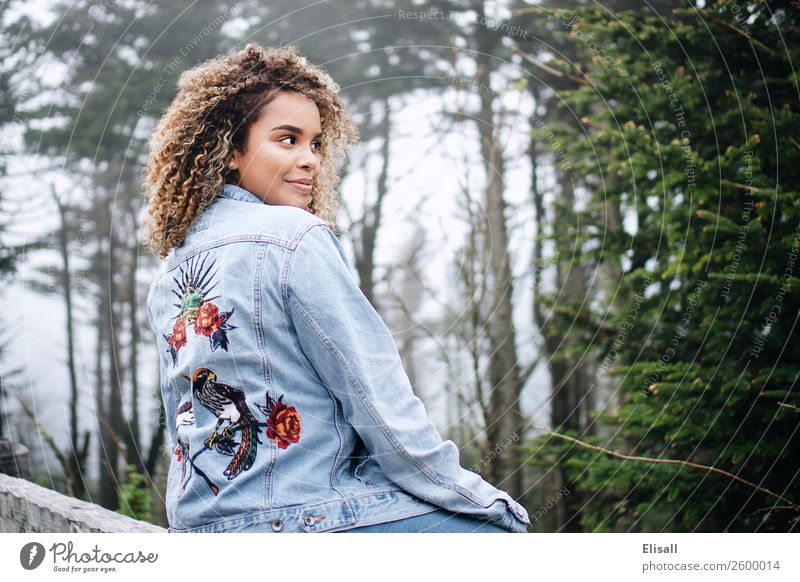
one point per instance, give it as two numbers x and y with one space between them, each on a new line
742 186
556 73
619 455
749 37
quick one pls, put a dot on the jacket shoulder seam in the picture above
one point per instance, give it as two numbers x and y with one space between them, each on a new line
239 238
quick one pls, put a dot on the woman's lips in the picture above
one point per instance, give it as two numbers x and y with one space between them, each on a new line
304 188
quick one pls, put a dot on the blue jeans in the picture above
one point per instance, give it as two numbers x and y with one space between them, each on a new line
439 521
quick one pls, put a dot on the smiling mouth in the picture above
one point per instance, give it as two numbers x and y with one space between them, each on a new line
303 188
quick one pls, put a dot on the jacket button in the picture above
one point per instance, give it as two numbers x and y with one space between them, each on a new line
308 520
277 524
518 510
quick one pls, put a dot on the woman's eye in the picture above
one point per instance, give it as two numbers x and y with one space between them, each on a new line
317 144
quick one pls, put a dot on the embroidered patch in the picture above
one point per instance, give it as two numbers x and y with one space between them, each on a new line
283 422
229 405
197 309
185 417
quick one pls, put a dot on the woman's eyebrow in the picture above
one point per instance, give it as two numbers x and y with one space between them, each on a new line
293 129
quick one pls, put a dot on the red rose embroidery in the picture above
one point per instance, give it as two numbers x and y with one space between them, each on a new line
179 454
283 425
207 319
178 338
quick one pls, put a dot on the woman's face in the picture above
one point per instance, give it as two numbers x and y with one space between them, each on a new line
281 156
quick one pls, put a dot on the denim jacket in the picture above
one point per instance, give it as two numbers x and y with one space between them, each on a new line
287 405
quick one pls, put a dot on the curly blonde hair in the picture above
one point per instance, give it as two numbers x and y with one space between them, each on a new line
193 143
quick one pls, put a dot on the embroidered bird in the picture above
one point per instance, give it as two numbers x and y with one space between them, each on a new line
228 403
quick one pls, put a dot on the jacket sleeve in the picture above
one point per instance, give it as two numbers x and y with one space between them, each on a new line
356 357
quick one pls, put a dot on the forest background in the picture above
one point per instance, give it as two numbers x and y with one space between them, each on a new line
581 220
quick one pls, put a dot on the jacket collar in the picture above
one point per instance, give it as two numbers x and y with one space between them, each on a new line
235 192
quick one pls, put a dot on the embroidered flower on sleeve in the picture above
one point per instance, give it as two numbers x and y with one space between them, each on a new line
283 424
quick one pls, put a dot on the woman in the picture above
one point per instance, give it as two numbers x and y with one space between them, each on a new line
286 402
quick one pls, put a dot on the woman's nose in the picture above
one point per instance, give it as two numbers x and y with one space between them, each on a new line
308 158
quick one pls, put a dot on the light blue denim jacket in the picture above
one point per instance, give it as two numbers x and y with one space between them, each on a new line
287 405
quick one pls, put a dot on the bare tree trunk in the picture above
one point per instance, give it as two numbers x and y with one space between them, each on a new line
410 292
107 490
109 393
116 415
504 374
133 441
571 377
611 272
76 457
370 223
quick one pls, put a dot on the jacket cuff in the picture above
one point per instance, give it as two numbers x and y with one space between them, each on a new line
515 518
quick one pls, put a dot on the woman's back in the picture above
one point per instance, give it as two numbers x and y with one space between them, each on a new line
261 442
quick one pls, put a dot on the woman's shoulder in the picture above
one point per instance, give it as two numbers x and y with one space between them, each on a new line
284 222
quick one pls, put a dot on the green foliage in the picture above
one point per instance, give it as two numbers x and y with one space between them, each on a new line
135 500
696 147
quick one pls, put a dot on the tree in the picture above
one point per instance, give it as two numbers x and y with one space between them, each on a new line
123 65
74 456
553 64
10 254
704 159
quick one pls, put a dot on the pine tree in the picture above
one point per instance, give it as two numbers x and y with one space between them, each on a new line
697 142
135 500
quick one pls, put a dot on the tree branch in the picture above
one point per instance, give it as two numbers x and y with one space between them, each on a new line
793 505
548 69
